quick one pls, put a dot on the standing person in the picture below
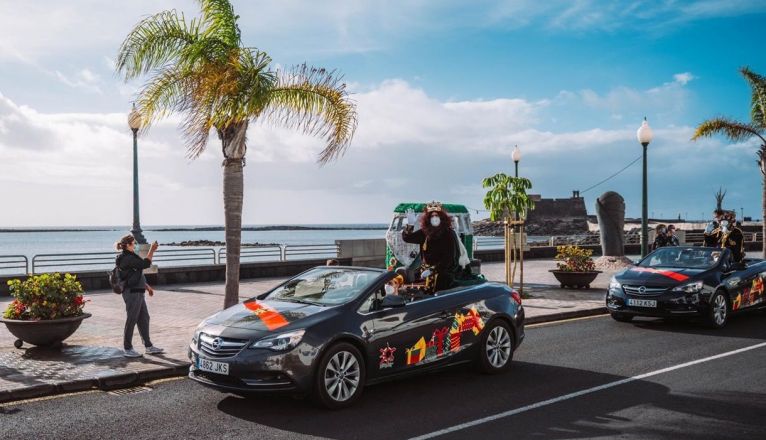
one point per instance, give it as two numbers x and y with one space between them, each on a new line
660 238
732 237
132 272
438 246
671 237
712 235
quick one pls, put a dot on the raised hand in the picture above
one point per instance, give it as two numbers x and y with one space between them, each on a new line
412 218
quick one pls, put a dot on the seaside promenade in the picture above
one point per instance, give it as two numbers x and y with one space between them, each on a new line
91 359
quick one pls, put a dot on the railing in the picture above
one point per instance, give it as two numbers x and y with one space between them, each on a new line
200 255
105 260
260 253
14 264
309 251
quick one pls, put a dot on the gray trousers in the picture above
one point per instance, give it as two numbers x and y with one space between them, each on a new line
138 313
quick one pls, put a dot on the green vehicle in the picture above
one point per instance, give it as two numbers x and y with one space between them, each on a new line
406 254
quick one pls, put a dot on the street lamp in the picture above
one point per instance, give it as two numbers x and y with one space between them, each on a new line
644 135
134 122
516 156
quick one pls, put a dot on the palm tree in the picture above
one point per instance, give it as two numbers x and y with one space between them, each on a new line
738 131
200 69
719 198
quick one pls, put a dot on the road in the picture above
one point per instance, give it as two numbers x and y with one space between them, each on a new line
587 378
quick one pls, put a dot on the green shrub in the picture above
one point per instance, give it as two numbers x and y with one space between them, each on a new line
574 259
46 296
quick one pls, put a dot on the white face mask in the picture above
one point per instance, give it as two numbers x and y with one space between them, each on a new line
435 222
724 224
389 289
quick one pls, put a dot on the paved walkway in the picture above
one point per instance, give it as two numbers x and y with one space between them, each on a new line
92 357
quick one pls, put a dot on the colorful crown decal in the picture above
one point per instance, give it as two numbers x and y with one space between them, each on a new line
433 206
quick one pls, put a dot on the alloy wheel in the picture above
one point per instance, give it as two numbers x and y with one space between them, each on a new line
341 376
719 310
498 347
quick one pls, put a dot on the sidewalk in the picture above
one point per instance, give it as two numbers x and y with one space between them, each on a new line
92 357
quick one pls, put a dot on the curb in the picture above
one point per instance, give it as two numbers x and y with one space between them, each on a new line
134 378
104 383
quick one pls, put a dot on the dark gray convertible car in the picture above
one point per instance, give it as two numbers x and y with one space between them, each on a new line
331 330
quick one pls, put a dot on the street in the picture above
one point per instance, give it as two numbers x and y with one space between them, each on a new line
571 379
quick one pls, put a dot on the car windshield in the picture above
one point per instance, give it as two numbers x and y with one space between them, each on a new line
326 286
682 257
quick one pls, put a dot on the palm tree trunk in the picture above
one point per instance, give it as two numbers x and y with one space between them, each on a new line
233 143
232 206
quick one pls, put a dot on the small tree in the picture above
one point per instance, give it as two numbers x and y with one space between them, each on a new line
507 199
719 198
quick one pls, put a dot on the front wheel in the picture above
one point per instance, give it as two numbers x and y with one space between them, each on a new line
496 349
719 312
340 377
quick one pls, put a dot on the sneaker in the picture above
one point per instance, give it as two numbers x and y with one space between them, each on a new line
154 350
131 353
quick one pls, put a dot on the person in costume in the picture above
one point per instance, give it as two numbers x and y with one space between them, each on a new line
732 237
660 239
671 236
712 235
438 246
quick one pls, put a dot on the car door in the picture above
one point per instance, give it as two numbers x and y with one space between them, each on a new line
748 287
465 321
408 337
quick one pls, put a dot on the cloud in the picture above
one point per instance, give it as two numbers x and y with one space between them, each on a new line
683 78
85 79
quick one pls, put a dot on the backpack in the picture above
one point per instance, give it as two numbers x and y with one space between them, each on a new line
118 285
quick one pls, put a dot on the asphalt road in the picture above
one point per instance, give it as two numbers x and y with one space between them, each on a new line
589 378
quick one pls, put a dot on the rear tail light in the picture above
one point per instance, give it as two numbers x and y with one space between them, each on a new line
516 297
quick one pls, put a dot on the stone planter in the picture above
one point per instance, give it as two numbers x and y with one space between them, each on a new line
575 280
43 332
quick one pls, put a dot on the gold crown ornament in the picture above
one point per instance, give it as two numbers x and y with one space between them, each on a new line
433 206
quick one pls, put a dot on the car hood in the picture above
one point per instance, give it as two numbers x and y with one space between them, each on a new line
264 315
645 276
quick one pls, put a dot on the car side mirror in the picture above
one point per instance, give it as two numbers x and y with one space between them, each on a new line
392 301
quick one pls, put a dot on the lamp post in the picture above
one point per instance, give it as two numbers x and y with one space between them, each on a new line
516 156
644 135
134 122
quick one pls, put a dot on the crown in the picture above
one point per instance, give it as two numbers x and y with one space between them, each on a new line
433 206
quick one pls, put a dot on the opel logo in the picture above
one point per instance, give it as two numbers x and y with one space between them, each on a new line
641 290
216 343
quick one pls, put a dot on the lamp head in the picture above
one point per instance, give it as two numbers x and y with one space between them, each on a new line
134 119
516 155
644 133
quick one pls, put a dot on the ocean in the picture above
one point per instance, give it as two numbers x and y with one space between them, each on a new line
35 241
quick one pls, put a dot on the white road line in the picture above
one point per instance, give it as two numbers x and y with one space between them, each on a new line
581 393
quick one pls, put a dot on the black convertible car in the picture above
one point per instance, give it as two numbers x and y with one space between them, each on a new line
687 281
331 330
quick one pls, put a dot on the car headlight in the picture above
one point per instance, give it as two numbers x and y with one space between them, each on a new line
694 287
614 284
284 341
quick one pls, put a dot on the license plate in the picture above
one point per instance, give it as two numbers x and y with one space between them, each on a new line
212 366
642 302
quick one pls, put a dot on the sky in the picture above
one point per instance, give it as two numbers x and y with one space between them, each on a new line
444 90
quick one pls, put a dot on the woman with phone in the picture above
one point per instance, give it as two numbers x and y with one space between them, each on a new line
132 272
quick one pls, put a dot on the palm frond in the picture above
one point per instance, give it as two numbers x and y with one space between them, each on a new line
758 99
734 130
155 41
221 21
316 102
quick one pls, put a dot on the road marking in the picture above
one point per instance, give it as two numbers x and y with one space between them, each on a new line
582 393
564 321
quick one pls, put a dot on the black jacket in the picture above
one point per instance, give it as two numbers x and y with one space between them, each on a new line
132 269
438 251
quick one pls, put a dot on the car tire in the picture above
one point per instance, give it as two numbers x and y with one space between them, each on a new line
340 377
719 311
621 317
496 348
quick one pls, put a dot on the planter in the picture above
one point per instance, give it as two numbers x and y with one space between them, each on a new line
575 280
43 332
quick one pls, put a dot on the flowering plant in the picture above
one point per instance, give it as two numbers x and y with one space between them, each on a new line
46 296
574 259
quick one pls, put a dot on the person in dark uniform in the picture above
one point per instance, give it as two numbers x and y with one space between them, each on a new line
437 246
732 237
660 238
712 235
670 237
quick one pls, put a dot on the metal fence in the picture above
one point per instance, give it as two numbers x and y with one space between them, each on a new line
13 264
261 253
